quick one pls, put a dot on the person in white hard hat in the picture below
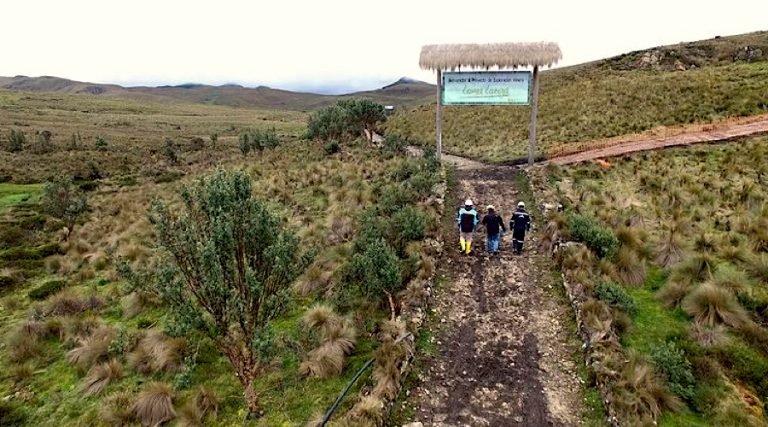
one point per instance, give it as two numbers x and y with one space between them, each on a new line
519 224
467 221
494 229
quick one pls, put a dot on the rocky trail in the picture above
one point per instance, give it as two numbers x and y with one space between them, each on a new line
507 351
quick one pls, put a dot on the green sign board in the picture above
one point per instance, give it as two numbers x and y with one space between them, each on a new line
486 88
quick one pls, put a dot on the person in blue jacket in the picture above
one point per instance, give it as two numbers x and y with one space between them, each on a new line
519 224
467 221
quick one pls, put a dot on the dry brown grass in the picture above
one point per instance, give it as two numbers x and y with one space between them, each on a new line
92 349
630 268
69 303
708 336
154 405
640 393
155 352
99 377
502 55
710 305
336 338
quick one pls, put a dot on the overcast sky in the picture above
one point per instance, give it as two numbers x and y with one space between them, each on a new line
328 43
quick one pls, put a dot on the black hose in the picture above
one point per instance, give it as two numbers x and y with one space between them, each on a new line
343 394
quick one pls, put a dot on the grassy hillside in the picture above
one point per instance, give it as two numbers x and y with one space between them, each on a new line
685 288
79 346
607 98
403 93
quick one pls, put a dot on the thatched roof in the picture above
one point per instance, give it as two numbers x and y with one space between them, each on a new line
501 55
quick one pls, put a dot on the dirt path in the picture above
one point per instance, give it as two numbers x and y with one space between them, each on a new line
505 350
719 133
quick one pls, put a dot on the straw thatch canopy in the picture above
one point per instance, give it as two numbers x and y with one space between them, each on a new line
501 55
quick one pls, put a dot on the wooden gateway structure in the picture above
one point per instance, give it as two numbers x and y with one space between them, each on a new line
486 56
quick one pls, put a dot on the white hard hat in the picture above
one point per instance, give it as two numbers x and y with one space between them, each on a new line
468 202
490 207
521 205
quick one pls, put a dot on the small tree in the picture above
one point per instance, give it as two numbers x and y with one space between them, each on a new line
232 264
329 123
16 141
364 114
63 200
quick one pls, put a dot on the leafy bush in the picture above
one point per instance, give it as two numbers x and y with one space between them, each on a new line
363 114
614 294
329 123
61 199
100 143
406 225
169 151
257 139
376 270
16 141
597 237
332 147
46 289
394 144
671 361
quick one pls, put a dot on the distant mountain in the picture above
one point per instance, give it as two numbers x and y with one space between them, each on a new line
405 92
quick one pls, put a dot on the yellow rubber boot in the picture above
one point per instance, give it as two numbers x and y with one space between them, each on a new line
463 244
469 247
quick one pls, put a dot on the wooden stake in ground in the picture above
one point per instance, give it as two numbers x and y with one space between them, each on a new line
534 113
439 114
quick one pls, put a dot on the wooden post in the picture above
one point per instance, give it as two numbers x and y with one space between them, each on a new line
439 114
534 113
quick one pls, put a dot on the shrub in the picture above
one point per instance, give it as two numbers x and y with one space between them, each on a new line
256 139
376 269
11 413
43 142
671 361
616 295
170 152
62 200
406 225
596 236
100 143
154 405
331 147
46 289
363 114
329 123
394 144
196 143
16 141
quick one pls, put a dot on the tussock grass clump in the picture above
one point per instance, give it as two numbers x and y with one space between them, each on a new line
336 338
99 376
69 303
708 336
630 268
155 352
641 394
710 305
20 372
758 267
154 405
729 277
92 349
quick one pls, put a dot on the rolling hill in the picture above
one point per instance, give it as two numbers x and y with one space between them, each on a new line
696 82
402 93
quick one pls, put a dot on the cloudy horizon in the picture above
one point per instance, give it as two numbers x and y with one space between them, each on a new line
336 46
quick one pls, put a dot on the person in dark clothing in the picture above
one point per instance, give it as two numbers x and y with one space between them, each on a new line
494 228
519 224
467 221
